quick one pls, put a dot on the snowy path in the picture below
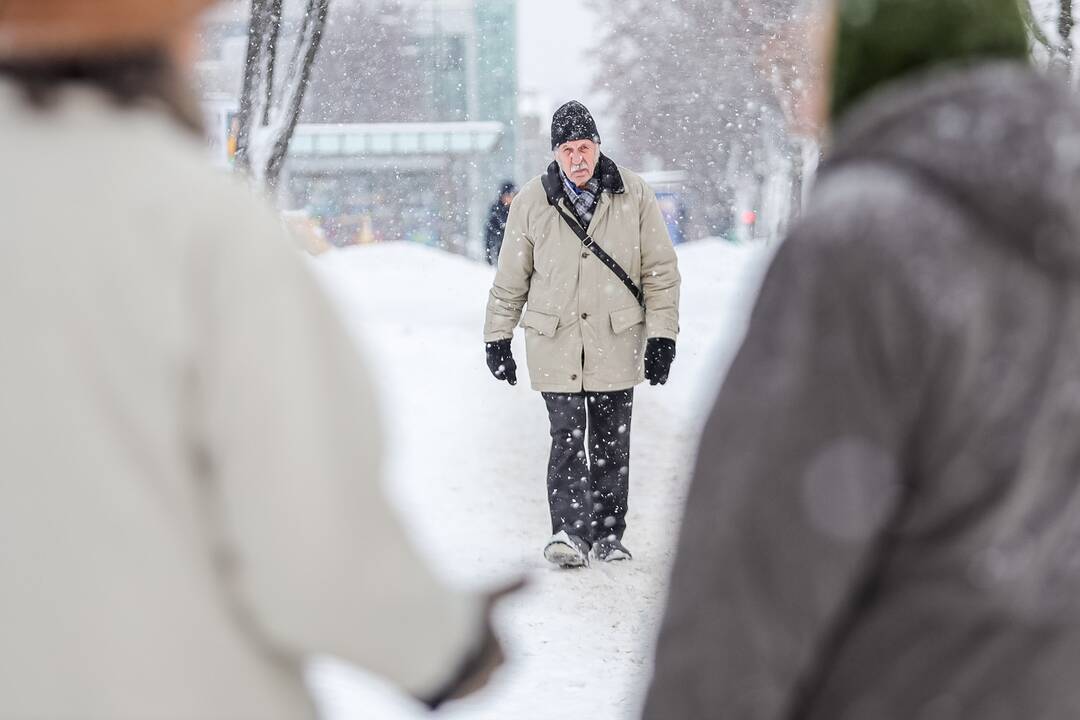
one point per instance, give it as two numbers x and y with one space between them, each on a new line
467 466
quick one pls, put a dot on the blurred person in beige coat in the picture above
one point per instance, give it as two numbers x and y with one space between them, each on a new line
589 270
189 450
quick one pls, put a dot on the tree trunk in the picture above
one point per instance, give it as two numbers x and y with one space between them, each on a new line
252 82
307 50
271 101
1065 30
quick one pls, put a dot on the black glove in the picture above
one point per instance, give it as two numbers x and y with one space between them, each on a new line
500 361
659 354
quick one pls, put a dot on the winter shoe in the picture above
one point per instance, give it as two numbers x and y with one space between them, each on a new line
610 550
567 551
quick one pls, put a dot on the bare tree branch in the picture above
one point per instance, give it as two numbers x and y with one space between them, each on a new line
297 84
270 105
1066 23
1033 26
252 81
273 36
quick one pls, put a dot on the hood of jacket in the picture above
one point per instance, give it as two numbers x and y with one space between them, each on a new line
997 140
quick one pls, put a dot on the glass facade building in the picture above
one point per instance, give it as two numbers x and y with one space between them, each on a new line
431 171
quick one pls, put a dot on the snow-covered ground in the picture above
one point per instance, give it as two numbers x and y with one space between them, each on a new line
467 468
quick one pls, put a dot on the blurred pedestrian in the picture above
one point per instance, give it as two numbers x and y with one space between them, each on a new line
884 521
189 450
496 224
594 271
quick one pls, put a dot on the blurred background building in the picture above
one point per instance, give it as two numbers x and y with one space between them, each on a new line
409 125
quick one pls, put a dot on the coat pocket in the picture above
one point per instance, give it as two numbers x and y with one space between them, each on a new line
622 320
541 322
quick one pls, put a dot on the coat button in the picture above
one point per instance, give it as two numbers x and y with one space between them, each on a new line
585 255
573 377
584 316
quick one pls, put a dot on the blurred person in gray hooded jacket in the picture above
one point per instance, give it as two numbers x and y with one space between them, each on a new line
189 447
884 521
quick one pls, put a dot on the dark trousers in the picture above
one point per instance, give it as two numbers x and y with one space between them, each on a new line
589 469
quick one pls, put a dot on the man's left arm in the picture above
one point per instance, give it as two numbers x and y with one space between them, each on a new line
660 279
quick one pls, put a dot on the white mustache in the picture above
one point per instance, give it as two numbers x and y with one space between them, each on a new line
576 168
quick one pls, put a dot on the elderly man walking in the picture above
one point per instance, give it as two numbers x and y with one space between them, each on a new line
588 269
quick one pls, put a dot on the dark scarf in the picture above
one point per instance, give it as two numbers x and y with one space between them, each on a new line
583 201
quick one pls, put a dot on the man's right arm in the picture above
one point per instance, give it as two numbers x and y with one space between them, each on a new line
511 288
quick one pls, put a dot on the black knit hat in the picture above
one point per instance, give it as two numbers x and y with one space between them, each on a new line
573 121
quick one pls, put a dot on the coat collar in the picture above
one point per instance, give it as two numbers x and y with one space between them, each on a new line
610 179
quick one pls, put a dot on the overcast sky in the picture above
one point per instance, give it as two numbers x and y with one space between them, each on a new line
554 42
553 38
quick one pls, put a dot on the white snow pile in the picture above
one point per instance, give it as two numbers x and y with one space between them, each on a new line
467 458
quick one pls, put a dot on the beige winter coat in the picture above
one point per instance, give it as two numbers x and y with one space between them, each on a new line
189 454
583 329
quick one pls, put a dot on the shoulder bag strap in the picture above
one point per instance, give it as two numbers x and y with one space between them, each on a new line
602 255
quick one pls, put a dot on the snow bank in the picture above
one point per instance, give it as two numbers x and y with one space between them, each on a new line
467 459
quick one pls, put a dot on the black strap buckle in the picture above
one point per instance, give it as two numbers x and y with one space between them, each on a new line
588 241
